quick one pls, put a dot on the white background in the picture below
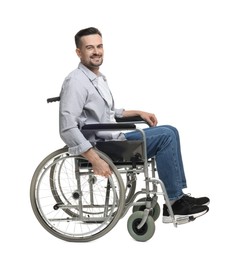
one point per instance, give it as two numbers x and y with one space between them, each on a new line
178 59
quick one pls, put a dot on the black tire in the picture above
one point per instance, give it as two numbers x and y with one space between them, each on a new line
154 213
145 232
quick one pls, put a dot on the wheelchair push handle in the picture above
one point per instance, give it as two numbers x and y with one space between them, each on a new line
53 99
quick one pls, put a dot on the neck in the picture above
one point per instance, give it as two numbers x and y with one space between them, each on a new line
95 70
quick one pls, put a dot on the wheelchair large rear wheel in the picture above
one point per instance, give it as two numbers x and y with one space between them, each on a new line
72 203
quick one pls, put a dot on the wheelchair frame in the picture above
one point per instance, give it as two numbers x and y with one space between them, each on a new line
75 205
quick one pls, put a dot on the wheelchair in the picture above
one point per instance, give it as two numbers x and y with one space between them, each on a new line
75 205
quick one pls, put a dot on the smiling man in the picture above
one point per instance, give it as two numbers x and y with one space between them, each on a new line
86 99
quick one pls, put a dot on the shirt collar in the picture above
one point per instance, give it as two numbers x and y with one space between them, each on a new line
92 76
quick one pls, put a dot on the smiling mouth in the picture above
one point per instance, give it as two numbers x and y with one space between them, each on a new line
96 57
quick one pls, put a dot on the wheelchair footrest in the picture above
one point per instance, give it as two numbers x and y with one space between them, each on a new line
184 220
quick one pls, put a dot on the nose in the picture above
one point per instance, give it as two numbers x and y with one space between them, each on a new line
96 51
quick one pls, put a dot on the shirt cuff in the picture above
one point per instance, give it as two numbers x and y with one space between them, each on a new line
118 112
79 149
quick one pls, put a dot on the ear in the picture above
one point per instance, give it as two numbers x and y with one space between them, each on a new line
78 52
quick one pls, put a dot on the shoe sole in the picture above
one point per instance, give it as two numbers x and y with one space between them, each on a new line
205 204
182 219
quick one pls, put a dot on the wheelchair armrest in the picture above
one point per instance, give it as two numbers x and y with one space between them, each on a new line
131 119
113 126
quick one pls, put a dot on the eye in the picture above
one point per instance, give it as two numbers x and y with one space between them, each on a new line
89 47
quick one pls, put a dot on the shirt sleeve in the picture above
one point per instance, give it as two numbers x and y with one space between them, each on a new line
71 107
118 112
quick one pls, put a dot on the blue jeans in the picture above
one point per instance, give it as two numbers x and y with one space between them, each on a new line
163 143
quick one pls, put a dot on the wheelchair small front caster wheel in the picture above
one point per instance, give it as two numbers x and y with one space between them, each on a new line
145 232
154 213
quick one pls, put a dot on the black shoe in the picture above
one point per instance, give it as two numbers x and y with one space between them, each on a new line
183 211
196 201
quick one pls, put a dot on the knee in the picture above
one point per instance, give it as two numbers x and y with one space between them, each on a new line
172 128
163 131
170 132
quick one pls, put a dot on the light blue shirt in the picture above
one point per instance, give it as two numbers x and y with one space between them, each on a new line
82 103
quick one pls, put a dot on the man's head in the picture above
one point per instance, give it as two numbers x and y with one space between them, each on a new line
89 48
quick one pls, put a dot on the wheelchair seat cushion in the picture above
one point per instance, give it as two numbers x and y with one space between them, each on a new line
122 151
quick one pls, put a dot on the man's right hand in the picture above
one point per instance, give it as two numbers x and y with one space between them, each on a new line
100 167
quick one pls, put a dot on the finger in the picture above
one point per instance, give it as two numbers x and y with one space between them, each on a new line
155 121
151 122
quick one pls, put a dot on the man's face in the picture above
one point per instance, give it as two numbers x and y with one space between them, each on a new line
91 51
